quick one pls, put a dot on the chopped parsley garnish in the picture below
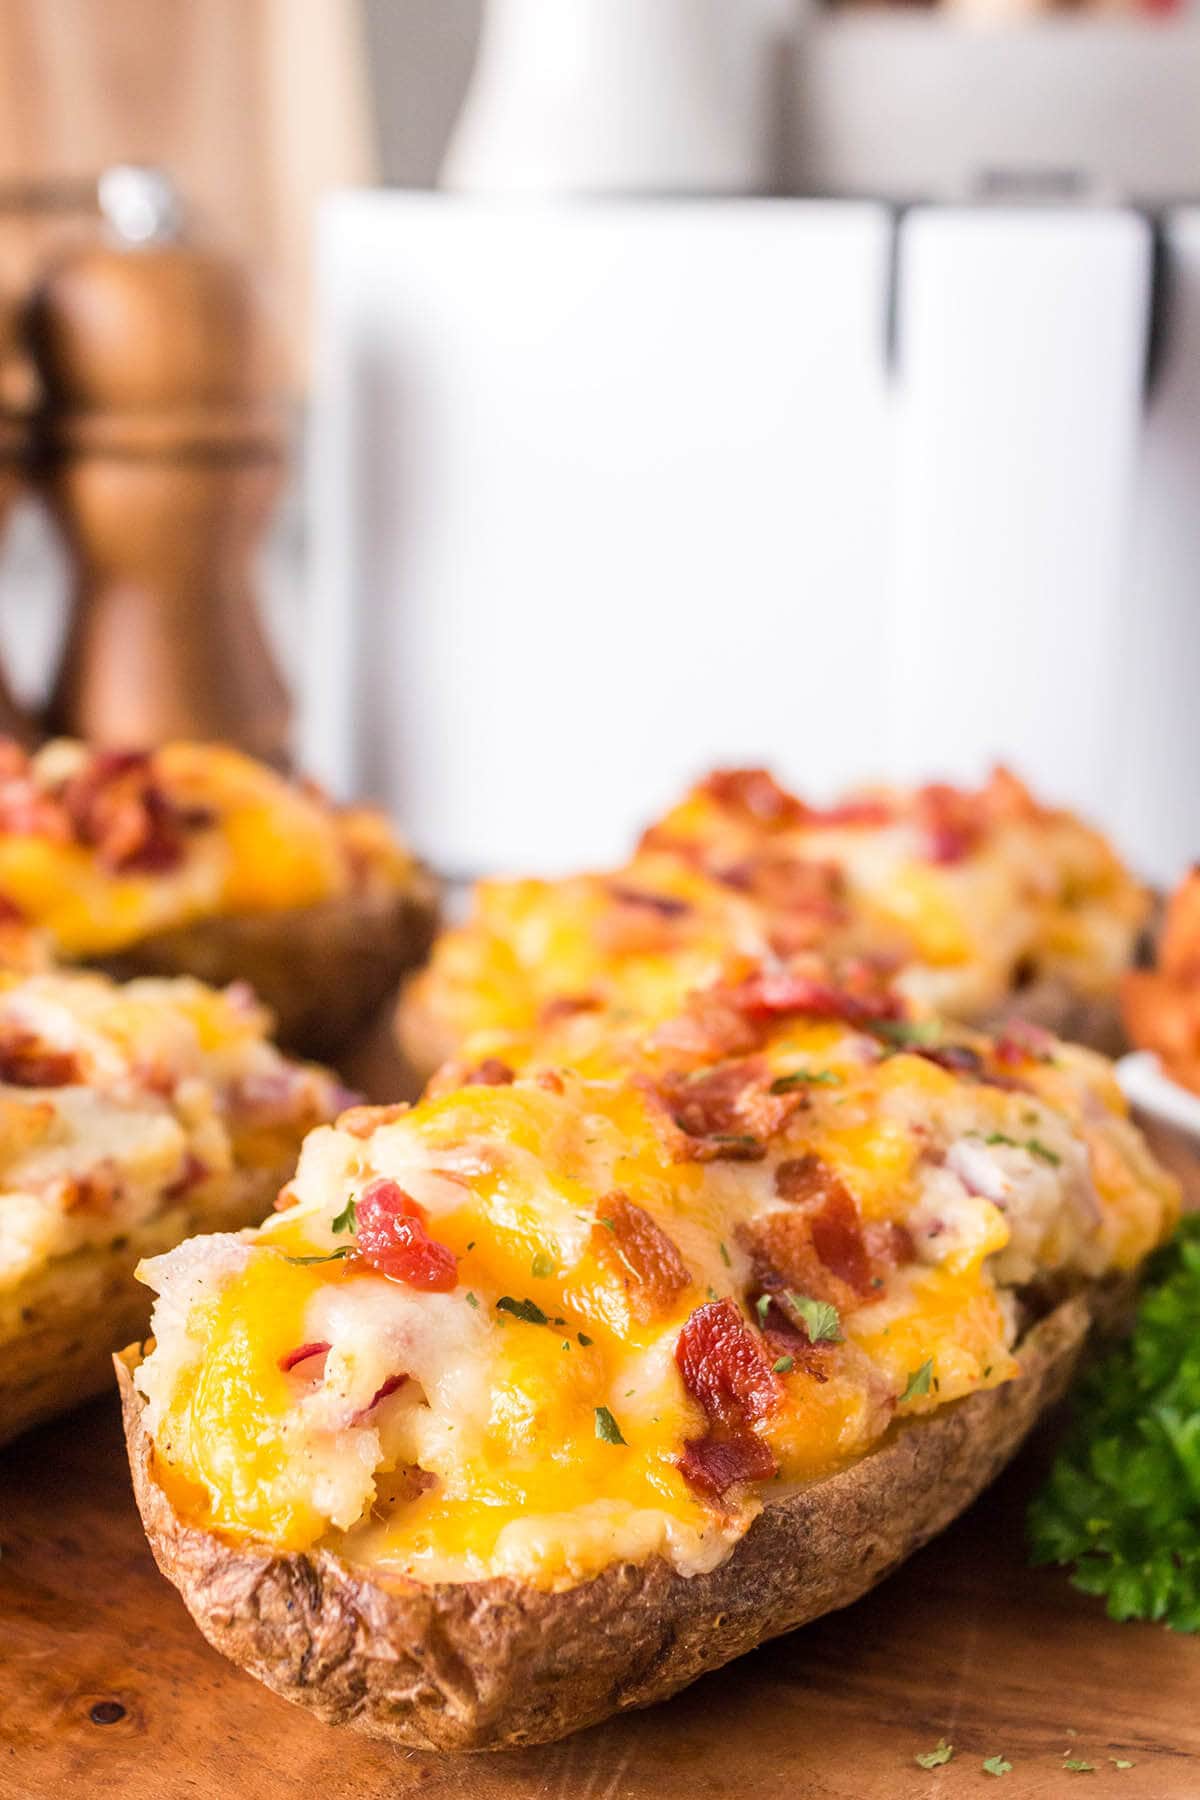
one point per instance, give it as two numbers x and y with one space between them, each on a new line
529 1310
1120 1762
1034 1145
785 1365
933 1759
918 1381
724 1254
471 1300
821 1320
607 1429
1122 1503
901 1033
347 1218
542 1266
762 1307
996 1765
330 1256
583 1338
785 1084
1075 1765
712 1292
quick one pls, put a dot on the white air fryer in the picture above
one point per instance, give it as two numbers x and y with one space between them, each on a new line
604 493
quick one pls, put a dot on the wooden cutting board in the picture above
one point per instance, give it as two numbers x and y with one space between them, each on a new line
107 1688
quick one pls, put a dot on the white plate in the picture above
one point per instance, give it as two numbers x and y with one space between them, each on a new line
1152 1092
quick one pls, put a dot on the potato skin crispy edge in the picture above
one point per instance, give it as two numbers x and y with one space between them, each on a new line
485 1665
323 970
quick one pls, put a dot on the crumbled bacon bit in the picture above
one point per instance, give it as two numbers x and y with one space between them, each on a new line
959 1059
818 1244
392 1385
28 1061
550 1081
728 1111
861 998
724 1368
950 820
837 1237
491 1072
667 906
713 1465
291 1358
889 1244
95 1193
391 1238
26 811
807 1178
194 1171
565 1006
711 1026
116 806
365 1121
755 794
1021 1041
628 1242
867 809
784 1258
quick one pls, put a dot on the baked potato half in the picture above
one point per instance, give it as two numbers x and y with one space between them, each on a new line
539 1399
129 1118
984 904
488 1665
194 859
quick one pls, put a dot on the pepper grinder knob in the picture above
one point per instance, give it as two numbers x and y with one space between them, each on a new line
163 453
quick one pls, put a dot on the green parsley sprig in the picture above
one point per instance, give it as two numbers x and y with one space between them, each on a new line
1121 1506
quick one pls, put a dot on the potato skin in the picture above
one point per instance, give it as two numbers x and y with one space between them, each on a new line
1090 1019
323 970
485 1665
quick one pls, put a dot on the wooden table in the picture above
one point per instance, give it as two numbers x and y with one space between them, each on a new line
107 1689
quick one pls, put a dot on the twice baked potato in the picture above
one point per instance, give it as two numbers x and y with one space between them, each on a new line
1161 1005
983 903
538 1400
195 859
129 1117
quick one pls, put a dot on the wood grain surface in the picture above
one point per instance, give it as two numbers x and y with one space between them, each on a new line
106 1687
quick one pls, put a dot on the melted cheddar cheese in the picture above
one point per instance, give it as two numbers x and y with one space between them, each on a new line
606 1312
968 895
100 848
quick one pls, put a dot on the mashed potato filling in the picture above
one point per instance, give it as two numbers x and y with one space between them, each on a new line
119 1103
533 1326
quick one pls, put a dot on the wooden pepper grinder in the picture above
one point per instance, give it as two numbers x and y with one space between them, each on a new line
162 449
14 472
